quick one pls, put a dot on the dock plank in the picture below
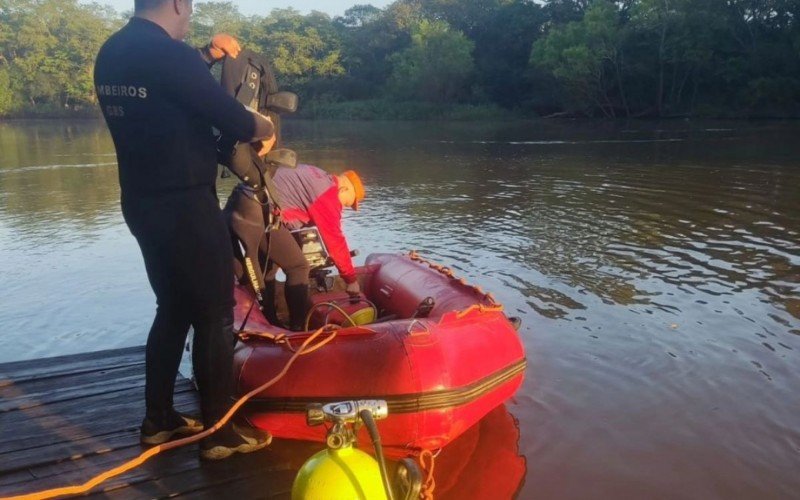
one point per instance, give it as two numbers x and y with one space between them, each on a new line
36 369
43 391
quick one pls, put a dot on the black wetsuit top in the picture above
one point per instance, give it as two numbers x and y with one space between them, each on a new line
160 102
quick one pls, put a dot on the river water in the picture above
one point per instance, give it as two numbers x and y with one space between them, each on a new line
656 267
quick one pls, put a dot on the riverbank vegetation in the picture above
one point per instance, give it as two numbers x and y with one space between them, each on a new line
454 59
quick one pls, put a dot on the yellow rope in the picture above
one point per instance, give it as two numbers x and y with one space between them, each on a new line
429 485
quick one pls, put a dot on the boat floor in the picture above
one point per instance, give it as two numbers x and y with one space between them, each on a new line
64 420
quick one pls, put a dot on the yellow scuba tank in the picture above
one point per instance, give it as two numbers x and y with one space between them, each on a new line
342 471
364 316
345 473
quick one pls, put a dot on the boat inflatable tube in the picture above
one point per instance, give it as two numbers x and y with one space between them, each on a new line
439 374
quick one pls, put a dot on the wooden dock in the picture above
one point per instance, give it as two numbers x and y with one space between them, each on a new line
63 420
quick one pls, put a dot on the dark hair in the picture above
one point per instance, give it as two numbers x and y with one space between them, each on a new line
142 5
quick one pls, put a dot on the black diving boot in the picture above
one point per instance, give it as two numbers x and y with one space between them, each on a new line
297 301
160 428
232 439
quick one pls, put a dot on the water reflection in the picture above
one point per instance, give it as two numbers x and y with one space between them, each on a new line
484 462
656 267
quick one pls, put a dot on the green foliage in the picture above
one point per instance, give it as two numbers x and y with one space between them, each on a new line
502 49
302 48
358 16
774 94
6 94
210 18
369 38
415 58
673 57
584 56
49 48
436 67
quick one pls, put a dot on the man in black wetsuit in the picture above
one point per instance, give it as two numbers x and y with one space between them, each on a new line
160 103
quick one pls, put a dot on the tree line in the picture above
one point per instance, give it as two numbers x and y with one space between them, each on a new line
470 58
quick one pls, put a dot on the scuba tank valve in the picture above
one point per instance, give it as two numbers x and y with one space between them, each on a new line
342 471
346 411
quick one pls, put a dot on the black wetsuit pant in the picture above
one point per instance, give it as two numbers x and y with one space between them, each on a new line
285 253
187 254
276 249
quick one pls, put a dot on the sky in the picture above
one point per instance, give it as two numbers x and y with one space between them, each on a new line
262 7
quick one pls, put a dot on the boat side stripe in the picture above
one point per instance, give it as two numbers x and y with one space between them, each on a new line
402 403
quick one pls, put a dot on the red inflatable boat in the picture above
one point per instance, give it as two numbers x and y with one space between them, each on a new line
440 352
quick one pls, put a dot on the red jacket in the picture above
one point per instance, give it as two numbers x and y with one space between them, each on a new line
310 196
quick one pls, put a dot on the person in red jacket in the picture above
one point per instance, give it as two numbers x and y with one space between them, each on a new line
310 196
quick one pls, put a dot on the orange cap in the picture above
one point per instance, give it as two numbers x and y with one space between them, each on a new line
358 187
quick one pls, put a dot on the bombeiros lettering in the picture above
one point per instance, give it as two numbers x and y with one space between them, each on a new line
122 91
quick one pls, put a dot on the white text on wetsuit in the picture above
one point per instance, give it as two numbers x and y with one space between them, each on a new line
122 91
